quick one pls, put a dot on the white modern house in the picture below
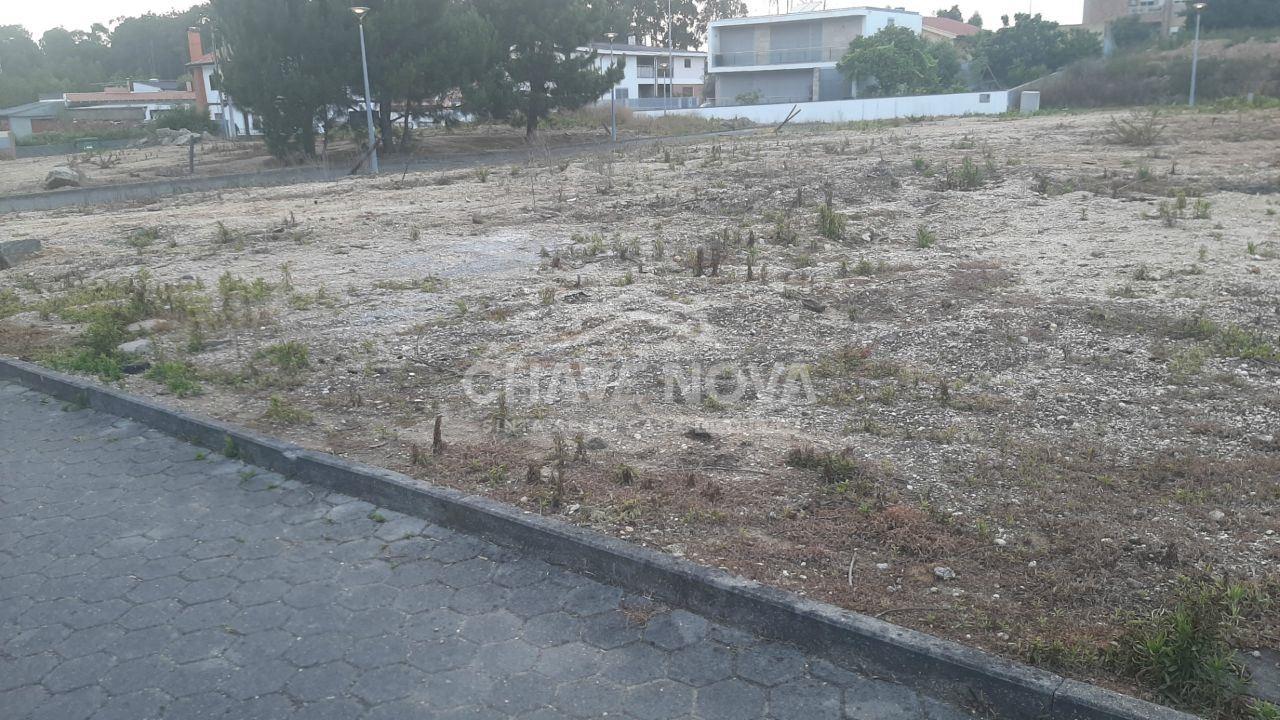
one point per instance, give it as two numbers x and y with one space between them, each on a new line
655 77
791 58
233 121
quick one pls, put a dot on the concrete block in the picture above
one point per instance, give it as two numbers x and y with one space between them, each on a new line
13 252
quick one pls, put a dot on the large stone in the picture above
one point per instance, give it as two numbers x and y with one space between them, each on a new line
63 176
136 347
15 251
145 326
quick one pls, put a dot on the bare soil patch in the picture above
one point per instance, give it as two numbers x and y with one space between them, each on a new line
1044 366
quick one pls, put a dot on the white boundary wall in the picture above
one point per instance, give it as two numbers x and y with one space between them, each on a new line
836 111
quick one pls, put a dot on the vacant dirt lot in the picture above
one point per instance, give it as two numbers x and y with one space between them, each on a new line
1026 376
158 162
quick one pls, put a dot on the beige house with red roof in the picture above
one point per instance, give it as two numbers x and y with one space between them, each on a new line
940 29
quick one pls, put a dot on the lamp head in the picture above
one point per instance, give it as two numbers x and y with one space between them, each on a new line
1199 7
611 35
359 11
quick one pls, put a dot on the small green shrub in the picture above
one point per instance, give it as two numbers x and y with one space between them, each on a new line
925 238
186 118
834 468
282 412
1187 364
178 378
10 304
87 362
1185 652
289 357
968 176
1139 129
831 224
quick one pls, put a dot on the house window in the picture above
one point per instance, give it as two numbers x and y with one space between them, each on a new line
621 93
890 22
984 98
688 63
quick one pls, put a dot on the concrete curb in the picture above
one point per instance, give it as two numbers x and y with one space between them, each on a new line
941 668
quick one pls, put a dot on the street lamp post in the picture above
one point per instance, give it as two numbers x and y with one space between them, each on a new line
671 62
360 12
613 93
1195 51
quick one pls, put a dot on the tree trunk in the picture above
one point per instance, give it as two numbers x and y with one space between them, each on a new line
534 110
385 126
404 135
530 126
308 140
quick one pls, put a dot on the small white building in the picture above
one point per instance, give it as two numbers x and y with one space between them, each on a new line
655 77
791 58
232 120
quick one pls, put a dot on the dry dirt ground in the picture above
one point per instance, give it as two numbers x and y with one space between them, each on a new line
112 167
1044 364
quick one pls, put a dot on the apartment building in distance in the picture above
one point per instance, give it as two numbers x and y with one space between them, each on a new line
792 57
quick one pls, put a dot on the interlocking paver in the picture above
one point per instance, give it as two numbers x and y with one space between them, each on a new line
137 581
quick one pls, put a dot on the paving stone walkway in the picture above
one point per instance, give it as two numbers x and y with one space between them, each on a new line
143 578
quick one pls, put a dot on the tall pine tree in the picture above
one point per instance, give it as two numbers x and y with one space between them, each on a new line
538 67
419 51
289 63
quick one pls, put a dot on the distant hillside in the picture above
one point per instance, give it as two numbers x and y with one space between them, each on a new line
1228 68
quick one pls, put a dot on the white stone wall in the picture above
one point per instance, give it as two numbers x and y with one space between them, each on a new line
837 111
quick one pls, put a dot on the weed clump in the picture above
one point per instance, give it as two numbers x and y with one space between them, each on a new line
833 468
178 378
290 357
1139 129
1185 652
282 412
831 224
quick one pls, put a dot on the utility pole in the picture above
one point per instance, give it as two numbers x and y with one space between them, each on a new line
1195 51
613 93
671 63
360 12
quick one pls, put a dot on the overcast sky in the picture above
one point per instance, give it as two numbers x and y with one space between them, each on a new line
40 15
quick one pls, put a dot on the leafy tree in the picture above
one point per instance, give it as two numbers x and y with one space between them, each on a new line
1224 14
897 61
419 50
648 21
22 72
1130 32
289 64
1031 48
954 13
975 20
149 46
76 59
152 45
538 68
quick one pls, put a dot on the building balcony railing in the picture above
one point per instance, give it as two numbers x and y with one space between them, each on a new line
784 56
645 72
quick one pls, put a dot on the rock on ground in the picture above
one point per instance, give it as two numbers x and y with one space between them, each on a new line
63 176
